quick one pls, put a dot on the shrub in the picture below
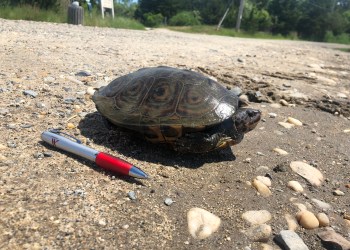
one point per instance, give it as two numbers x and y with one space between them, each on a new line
153 20
343 38
186 18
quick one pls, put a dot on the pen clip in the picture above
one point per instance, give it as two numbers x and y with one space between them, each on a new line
57 131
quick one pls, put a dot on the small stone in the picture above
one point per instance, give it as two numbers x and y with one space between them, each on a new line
102 222
294 121
168 201
265 246
338 241
321 204
260 233
286 125
337 192
311 174
296 186
11 144
132 195
265 180
83 73
280 151
240 60
284 102
38 155
90 91
247 160
323 219
307 219
69 100
70 126
346 130
272 115
40 105
342 95
236 90
289 240
30 93
47 154
126 226
261 188
201 223
256 217
291 222
49 79
281 167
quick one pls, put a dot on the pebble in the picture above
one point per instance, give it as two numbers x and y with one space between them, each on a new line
102 222
49 79
265 180
291 222
4 111
126 226
321 204
294 121
337 192
307 219
70 126
40 105
168 201
290 240
311 174
335 239
261 188
323 219
286 125
342 95
272 115
201 223
265 246
69 100
11 144
347 130
260 233
296 186
257 217
236 90
284 102
132 195
280 151
30 93
90 91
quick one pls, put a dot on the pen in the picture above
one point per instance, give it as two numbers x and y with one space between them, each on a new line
105 161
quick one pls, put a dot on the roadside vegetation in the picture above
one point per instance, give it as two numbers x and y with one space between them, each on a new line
321 20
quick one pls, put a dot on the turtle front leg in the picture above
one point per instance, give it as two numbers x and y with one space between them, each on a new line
201 142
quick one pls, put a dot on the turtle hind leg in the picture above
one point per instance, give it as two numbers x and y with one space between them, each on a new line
200 142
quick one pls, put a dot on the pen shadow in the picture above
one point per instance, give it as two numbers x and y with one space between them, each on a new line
131 144
93 165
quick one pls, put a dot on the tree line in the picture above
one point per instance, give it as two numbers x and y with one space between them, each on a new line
306 19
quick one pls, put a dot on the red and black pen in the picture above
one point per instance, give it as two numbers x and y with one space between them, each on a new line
105 161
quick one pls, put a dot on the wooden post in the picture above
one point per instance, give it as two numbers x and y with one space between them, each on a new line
239 17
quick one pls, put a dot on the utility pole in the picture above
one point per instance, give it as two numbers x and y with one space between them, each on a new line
239 17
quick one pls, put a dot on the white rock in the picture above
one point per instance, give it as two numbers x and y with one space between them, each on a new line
321 204
286 125
261 188
311 174
296 186
272 115
294 121
284 102
323 219
342 95
280 151
291 222
257 217
346 130
90 91
307 219
265 180
201 223
338 192
300 206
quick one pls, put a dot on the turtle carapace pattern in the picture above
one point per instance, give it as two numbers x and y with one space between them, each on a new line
183 108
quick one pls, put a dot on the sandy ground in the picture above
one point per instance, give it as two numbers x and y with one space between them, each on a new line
53 200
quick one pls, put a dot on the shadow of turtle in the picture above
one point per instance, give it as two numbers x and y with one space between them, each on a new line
132 144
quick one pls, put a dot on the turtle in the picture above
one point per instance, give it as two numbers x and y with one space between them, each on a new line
182 108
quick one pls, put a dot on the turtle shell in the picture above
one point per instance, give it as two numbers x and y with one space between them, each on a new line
163 103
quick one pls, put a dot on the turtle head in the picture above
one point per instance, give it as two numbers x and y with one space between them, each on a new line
246 119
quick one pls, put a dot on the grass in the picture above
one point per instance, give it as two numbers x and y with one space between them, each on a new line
27 12
344 49
211 30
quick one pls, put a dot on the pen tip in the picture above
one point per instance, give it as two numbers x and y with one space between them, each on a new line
137 173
